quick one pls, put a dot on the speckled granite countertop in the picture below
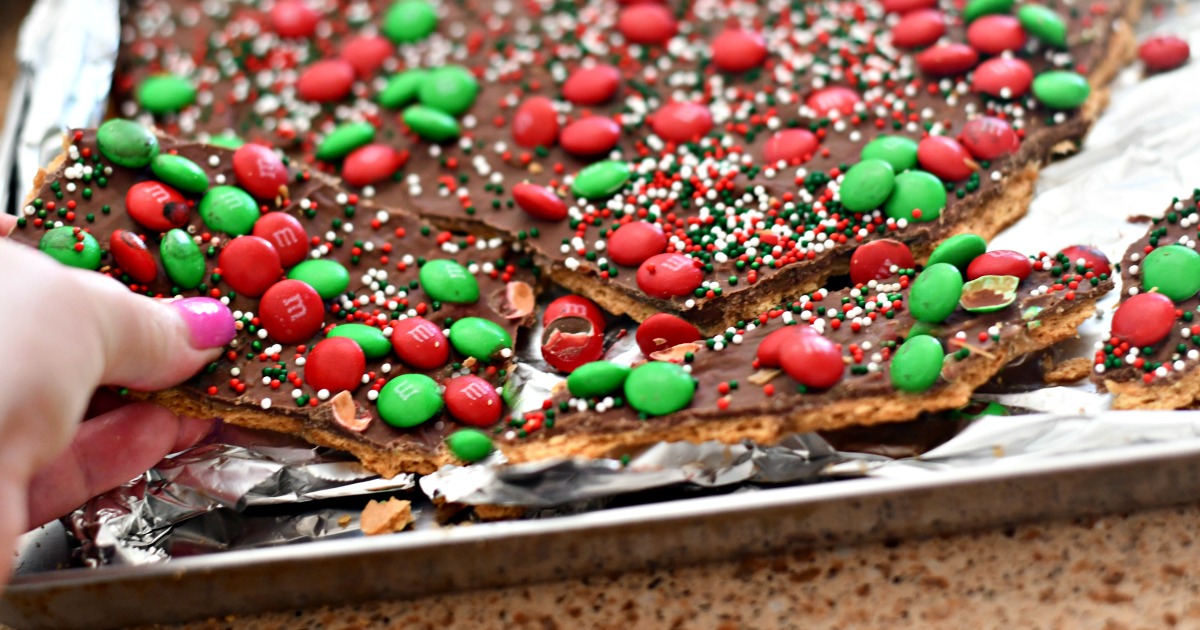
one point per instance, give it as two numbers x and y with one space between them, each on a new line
1135 571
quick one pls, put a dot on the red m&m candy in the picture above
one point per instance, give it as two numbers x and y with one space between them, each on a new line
833 99
420 343
1001 262
669 275
294 19
944 60
472 400
874 260
591 135
812 360
260 171
291 311
250 265
156 206
335 364
989 138
284 232
770 347
592 86
131 255
1163 52
1144 319
535 123
918 29
1003 77
738 50
372 164
367 53
791 146
539 202
326 81
631 244
946 158
904 6
1091 257
574 333
994 34
682 121
662 331
647 24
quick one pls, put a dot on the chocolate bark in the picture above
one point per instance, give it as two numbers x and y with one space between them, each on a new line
1162 374
263 383
249 74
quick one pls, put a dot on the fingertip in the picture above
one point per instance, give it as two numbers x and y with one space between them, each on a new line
209 322
8 223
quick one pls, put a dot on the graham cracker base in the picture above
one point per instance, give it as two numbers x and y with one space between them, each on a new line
1180 393
767 429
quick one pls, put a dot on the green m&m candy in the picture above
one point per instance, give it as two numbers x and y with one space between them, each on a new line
127 143
409 400
328 277
480 338
935 293
447 281
1173 270
598 378
431 124
451 89
918 196
374 344
409 21
182 259
980 409
658 388
959 250
469 445
344 139
229 209
601 179
165 94
987 294
917 363
180 173
867 185
401 89
227 141
1060 89
899 151
1044 24
71 246
979 8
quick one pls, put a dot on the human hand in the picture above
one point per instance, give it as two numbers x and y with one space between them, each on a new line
65 332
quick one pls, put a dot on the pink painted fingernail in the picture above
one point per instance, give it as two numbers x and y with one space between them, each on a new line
210 321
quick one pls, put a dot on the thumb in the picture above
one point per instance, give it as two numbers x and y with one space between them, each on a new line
150 344
106 333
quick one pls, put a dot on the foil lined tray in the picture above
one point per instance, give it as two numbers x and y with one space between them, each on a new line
210 531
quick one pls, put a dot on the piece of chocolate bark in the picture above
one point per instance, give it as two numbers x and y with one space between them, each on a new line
707 159
360 329
1149 361
885 350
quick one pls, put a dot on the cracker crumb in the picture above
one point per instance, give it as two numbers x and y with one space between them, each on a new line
386 518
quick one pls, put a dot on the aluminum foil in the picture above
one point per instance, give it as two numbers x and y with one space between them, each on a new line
66 68
244 489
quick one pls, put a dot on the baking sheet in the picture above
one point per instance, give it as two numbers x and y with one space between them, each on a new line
1142 152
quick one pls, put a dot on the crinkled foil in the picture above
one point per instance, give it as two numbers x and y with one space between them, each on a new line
65 73
245 489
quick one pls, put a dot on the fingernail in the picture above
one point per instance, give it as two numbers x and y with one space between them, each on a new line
209 320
